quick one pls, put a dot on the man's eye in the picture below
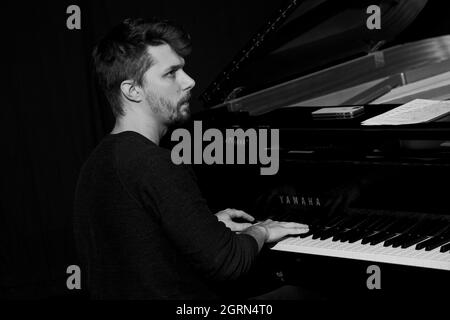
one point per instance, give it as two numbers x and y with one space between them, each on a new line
171 73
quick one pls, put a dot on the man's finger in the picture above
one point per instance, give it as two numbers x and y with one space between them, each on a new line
240 214
294 225
293 231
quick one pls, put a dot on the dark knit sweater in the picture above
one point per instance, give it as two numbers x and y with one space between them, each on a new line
143 230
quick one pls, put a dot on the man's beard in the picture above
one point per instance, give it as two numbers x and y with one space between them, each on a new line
170 112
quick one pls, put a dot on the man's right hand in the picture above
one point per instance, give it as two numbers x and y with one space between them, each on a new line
269 231
276 230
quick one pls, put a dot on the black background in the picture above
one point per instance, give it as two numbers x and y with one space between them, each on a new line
52 117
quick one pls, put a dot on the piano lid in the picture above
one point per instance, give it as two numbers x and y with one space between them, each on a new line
306 36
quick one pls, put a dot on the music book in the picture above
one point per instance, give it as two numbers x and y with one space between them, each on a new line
413 112
433 87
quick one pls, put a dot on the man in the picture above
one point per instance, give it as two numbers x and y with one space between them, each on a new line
142 228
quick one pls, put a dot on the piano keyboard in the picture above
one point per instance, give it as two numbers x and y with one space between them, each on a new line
403 241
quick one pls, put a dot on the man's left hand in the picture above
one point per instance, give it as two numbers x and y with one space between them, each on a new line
226 216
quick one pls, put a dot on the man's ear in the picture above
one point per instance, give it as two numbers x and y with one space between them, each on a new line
131 90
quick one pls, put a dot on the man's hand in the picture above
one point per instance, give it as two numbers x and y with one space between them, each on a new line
227 216
276 230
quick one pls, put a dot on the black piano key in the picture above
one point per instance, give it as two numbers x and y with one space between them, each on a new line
337 235
353 238
429 242
381 237
331 232
442 227
328 233
434 227
393 239
437 244
316 230
368 237
371 237
318 233
427 229
445 248
384 223
330 228
341 236
365 236
350 235
412 241
333 221
388 232
398 241
356 232
326 225
364 229
438 241
357 221
417 229
394 231
435 241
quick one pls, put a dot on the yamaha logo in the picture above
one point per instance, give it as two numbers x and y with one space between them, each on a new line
300 200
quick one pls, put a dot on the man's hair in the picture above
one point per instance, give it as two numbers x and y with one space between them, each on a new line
122 54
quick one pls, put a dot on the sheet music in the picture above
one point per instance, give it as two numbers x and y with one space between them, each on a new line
416 111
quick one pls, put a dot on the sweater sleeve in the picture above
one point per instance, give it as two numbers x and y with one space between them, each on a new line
170 192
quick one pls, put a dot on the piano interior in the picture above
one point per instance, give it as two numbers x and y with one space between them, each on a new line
372 195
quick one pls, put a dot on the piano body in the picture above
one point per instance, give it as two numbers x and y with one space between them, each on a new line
372 195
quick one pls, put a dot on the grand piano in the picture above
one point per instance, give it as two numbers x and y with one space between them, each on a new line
372 195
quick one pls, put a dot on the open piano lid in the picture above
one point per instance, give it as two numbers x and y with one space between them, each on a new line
315 48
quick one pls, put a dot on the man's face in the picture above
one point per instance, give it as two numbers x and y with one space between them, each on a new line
166 86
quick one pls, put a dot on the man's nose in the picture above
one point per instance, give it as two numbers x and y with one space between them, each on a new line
188 82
